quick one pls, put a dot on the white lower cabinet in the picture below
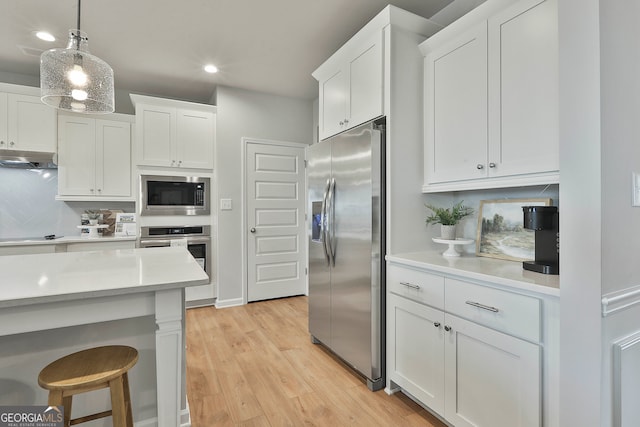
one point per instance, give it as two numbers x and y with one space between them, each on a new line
465 371
416 335
491 379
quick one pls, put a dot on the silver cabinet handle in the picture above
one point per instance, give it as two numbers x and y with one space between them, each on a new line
447 328
12 143
492 165
482 306
479 166
436 324
1 142
410 285
346 121
253 229
341 123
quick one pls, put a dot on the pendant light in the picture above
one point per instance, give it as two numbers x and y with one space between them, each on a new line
75 80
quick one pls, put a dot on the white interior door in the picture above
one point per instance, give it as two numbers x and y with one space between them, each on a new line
275 201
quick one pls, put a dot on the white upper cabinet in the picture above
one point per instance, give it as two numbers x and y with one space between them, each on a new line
26 124
523 101
456 75
94 159
174 134
351 86
491 98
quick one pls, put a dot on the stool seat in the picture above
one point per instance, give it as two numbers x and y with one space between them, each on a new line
88 370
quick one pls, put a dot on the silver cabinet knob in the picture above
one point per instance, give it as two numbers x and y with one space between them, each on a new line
479 166
179 162
1 142
12 143
346 121
436 324
447 328
341 123
492 165
253 229
92 190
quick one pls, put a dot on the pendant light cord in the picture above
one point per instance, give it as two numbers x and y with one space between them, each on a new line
78 18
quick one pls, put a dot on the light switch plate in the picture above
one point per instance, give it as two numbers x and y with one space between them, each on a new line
635 185
225 204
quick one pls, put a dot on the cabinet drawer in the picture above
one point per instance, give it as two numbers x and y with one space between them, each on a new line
512 313
416 285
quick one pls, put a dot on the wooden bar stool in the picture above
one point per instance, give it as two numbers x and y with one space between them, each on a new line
89 370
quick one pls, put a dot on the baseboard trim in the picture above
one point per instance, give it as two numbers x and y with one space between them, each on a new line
229 303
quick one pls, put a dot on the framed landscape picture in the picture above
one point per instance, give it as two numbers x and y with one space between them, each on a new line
501 233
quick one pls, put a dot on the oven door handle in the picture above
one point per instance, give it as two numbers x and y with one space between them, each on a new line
167 242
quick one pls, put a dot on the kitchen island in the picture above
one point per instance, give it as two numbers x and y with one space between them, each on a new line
55 304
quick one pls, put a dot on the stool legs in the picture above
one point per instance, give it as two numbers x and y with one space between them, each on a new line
56 399
120 403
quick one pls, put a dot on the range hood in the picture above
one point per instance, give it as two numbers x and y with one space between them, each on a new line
27 159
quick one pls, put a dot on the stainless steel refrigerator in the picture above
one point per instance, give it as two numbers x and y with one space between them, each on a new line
345 176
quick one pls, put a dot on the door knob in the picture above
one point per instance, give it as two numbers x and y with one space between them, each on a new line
479 166
253 229
447 328
436 324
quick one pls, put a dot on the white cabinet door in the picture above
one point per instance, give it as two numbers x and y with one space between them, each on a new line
31 125
523 101
416 356
94 158
456 108
332 102
4 142
76 156
351 93
491 379
195 138
156 133
113 165
364 99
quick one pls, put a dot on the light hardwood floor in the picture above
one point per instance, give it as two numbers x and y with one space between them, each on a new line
254 365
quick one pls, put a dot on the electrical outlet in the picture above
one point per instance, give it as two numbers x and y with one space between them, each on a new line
225 205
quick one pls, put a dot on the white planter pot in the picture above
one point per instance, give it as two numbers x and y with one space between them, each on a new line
448 232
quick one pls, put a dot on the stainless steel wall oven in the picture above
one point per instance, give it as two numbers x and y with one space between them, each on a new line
197 239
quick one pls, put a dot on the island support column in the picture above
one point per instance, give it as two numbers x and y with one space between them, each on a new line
170 357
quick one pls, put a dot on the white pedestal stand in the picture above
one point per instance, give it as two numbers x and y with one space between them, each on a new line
452 251
93 229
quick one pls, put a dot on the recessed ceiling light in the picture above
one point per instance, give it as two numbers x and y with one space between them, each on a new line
210 68
43 35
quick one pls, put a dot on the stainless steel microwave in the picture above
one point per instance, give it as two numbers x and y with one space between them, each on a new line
175 195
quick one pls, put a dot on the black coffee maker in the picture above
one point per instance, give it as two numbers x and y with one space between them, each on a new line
544 220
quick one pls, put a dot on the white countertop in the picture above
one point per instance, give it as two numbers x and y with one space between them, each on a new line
502 272
29 279
64 239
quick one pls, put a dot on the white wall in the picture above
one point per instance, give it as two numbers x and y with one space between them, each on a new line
243 113
620 110
580 219
28 207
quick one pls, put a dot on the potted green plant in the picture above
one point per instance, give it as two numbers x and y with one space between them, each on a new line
93 216
448 218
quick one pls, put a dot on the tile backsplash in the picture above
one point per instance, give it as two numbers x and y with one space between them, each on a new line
28 207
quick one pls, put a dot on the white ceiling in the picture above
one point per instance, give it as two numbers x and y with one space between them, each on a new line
158 47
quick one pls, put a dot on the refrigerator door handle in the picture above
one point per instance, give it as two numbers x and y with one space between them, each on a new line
331 232
323 222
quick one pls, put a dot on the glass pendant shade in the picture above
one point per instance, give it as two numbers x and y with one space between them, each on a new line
75 80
